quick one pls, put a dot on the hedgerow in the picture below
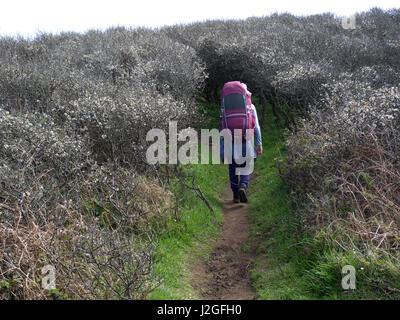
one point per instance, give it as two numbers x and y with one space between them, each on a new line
75 110
75 191
337 90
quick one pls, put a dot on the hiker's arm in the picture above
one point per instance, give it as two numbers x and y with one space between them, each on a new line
257 127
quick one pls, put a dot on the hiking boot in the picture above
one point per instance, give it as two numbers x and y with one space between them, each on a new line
242 193
236 199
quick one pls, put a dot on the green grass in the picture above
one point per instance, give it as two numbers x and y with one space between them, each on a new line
291 264
191 233
195 227
273 224
283 268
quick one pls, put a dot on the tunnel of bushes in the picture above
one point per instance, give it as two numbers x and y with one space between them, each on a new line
75 109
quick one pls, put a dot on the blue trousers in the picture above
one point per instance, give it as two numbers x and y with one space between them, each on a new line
237 180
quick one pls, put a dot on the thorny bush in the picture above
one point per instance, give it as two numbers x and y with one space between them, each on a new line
75 109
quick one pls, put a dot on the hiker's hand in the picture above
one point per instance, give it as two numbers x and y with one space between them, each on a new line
259 149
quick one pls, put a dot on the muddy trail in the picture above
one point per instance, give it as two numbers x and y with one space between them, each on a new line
225 275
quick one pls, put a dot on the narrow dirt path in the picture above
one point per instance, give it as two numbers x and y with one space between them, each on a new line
225 275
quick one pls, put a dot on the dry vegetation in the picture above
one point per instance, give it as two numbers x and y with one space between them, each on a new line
338 92
74 109
75 190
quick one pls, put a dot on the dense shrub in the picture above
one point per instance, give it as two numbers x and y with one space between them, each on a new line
338 90
100 239
75 190
75 108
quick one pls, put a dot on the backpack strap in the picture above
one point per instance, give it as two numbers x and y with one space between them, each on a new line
247 116
224 114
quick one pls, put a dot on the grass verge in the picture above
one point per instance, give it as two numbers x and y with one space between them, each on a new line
273 226
191 233
290 263
194 228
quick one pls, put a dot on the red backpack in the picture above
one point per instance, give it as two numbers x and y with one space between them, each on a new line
236 109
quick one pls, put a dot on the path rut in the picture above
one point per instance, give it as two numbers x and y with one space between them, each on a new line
225 275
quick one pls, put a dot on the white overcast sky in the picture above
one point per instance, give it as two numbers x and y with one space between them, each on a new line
27 17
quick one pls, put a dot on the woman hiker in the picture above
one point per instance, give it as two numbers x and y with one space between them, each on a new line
239 113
